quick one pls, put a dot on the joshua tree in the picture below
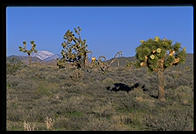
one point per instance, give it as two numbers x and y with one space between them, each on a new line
74 49
103 64
157 55
118 54
23 49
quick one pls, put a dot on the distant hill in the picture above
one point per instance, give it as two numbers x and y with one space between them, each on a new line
122 60
21 58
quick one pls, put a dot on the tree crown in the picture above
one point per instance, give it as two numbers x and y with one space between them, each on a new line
24 49
158 54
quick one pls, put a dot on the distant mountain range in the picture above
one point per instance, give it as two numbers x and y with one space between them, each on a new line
23 58
46 56
40 56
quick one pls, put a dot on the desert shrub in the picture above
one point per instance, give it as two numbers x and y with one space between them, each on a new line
62 76
52 78
15 114
77 123
171 120
72 104
41 90
14 126
76 75
98 124
32 115
126 119
108 81
61 123
45 69
39 76
183 82
148 84
70 123
67 84
38 114
13 64
13 68
101 109
128 103
40 126
176 78
170 82
184 95
26 85
13 82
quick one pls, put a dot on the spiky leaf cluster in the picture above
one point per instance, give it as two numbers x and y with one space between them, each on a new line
158 54
24 49
74 48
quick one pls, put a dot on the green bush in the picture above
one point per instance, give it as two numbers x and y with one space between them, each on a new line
13 68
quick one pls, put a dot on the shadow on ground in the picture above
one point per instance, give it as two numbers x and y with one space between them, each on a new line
122 87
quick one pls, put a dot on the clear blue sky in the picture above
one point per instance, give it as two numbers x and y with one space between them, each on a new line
106 29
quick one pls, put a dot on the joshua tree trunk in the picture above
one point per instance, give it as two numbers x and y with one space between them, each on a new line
161 91
84 61
30 59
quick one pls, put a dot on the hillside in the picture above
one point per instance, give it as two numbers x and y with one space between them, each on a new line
22 58
122 98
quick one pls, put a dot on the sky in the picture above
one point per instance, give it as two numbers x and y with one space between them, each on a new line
106 29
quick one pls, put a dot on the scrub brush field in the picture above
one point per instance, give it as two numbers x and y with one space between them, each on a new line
44 97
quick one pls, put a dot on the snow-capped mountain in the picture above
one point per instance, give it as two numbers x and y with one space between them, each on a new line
53 57
43 55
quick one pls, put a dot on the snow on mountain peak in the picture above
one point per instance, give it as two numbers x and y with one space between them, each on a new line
43 54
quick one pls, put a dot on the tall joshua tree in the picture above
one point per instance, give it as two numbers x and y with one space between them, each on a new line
24 49
157 55
74 49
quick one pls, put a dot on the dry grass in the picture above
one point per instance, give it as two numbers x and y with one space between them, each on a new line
49 123
29 126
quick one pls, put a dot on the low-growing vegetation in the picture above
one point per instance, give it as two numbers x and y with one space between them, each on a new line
43 97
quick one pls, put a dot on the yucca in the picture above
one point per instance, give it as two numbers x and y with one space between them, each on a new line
157 50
